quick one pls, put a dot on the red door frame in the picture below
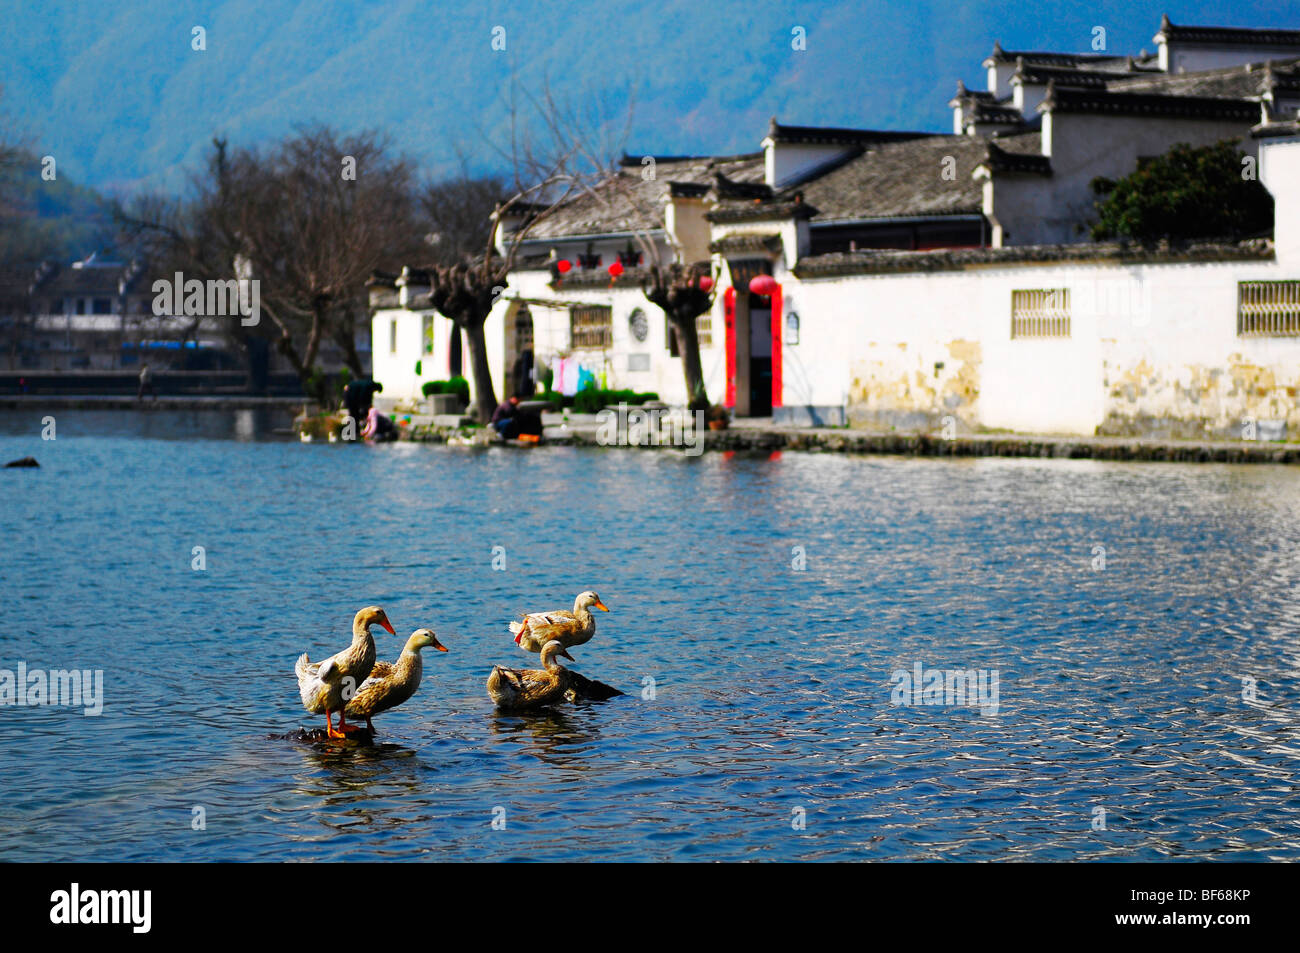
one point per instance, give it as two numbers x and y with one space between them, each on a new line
729 321
777 296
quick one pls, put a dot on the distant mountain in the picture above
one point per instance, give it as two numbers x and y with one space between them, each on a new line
117 94
56 219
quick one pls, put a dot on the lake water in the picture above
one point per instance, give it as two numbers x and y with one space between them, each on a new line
759 721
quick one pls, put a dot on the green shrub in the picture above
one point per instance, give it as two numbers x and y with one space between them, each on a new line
457 385
592 399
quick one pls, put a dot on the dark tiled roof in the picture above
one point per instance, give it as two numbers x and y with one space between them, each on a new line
1145 104
906 179
879 261
829 135
1235 82
688 190
1062 76
969 96
757 211
1005 161
995 113
1227 36
747 242
1044 58
384 299
1275 130
628 202
416 277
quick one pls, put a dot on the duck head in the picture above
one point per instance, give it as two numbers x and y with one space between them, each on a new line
589 600
372 615
423 639
553 648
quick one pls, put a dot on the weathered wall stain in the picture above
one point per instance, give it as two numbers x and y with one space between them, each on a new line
916 388
1195 401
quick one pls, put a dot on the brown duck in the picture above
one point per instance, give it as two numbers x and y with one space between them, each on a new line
535 629
322 684
391 684
521 689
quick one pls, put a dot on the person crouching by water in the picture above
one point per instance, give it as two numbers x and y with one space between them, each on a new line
379 428
358 395
146 384
511 421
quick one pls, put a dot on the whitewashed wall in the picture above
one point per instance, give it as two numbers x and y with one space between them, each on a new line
1044 210
1153 348
551 336
395 368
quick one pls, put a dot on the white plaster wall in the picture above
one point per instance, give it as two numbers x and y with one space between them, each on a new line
1185 59
1033 210
396 369
1153 348
1279 170
552 338
785 161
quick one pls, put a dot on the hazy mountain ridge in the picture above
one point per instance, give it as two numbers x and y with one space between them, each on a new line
118 96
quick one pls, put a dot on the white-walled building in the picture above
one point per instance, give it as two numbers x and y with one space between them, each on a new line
921 280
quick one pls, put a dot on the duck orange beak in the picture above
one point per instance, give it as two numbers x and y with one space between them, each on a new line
387 625
601 606
439 646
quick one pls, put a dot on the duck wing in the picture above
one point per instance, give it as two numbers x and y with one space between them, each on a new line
381 670
538 628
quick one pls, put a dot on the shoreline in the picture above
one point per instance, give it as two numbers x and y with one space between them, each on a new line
743 436
757 438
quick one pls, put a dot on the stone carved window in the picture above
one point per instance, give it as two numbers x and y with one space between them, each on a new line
1040 313
591 326
1268 308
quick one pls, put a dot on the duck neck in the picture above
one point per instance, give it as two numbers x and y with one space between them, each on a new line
407 662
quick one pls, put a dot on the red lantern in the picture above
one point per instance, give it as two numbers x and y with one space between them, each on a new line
616 269
563 265
706 284
762 285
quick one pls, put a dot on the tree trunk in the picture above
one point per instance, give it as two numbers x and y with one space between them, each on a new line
688 343
485 397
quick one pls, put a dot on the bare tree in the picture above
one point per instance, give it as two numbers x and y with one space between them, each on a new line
547 172
676 288
458 209
668 281
311 218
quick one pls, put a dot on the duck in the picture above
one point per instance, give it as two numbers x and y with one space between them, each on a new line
535 629
522 689
390 684
322 684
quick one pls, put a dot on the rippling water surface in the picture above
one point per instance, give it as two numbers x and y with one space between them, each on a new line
1121 688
